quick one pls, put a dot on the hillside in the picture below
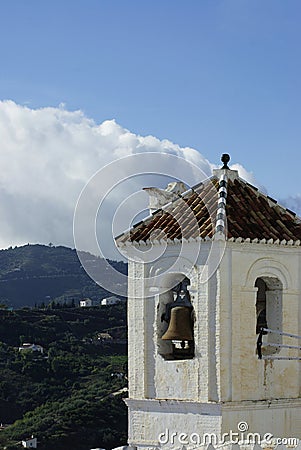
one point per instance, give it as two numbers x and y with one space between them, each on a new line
38 274
70 396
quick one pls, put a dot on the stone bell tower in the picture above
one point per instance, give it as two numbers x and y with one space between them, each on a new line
215 317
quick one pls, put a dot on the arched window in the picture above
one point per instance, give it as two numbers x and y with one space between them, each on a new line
261 305
269 312
175 321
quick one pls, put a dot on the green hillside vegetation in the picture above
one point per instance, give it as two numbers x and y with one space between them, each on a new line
37 274
70 396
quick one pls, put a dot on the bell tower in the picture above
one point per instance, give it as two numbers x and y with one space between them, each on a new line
215 319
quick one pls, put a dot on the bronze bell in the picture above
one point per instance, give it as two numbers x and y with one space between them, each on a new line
180 325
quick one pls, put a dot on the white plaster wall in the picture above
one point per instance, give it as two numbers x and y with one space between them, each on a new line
250 378
194 379
225 367
153 421
136 331
187 379
176 379
279 418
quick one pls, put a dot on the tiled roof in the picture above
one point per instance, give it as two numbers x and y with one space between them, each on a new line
251 214
226 205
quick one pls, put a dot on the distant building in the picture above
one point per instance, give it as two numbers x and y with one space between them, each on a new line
32 347
30 443
85 303
104 337
110 301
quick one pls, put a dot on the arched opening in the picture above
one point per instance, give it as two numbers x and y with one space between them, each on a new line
269 313
261 305
175 322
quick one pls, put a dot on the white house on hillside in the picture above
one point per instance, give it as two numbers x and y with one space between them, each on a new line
30 443
31 347
110 301
85 303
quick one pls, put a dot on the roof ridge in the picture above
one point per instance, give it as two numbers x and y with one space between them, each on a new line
221 216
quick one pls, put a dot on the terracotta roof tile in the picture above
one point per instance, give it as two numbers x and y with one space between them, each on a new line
248 214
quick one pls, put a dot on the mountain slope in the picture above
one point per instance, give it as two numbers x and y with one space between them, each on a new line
39 274
65 396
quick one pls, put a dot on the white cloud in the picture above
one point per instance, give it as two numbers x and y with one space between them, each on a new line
47 156
248 176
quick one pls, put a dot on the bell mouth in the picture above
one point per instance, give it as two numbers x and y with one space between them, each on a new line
181 344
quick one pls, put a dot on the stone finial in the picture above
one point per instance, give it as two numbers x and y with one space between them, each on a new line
225 159
231 174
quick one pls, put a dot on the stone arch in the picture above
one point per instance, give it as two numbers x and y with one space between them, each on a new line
174 299
269 312
267 268
168 271
268 278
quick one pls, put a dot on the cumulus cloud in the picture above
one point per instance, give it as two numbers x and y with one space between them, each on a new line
48 155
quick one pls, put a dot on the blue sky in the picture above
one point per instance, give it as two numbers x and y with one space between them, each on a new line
215 75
